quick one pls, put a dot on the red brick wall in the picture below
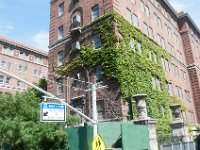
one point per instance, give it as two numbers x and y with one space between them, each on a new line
195 80
183 45
83 6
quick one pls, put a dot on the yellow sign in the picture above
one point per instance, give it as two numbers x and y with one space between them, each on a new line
98 143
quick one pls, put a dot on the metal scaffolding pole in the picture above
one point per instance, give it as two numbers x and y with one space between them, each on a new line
94 122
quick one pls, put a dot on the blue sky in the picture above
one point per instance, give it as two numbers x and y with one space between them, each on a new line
27 21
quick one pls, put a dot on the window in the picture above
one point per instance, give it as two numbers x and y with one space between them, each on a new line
61 9
142 6
167 66
162 42
9 66
60 58
187 95
37 72
132 44
60 32
25 69
169 31
76 20
19 83
4 50
1 79
159 39
129 15
98 73
179 92
150 32
180 57
95 12
156 3
170 89
97 41
176 71
163 63
139 47
20 69
8 51
184 75
7 80
172 50
156 83
147 12
146 29
135 20
38 60
2 64
155 58
77 82
60 87
159 22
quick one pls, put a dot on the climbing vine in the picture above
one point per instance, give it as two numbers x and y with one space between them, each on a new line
130 67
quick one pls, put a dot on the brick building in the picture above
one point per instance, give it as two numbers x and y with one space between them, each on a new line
174 32
21 60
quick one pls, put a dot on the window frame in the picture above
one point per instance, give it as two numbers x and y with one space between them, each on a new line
95 12
61 9
60 58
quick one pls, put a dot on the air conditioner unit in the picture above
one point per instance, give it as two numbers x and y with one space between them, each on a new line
76 45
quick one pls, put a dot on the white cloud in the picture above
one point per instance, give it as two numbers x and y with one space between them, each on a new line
41 40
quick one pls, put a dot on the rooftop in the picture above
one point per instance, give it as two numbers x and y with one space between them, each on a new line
22 45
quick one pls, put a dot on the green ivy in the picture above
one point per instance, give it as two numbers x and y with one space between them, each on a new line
131 69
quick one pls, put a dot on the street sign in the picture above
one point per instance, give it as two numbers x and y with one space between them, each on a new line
52 112
98 143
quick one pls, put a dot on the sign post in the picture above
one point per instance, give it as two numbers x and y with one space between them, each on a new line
52 112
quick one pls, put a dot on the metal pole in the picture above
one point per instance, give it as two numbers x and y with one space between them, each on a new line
72 108
50 95
94 109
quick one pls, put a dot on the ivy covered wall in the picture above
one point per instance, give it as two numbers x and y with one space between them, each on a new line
129 63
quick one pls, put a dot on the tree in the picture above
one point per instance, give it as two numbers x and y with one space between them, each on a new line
42 83
20 126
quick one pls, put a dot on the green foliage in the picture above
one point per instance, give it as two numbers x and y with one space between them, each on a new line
42 83
20 126
73 120
131 69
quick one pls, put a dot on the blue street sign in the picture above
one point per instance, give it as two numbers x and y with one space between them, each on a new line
52 112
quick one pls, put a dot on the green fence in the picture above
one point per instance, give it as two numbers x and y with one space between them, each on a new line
114 134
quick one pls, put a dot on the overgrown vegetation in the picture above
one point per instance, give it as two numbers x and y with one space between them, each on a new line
20 126
132 69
